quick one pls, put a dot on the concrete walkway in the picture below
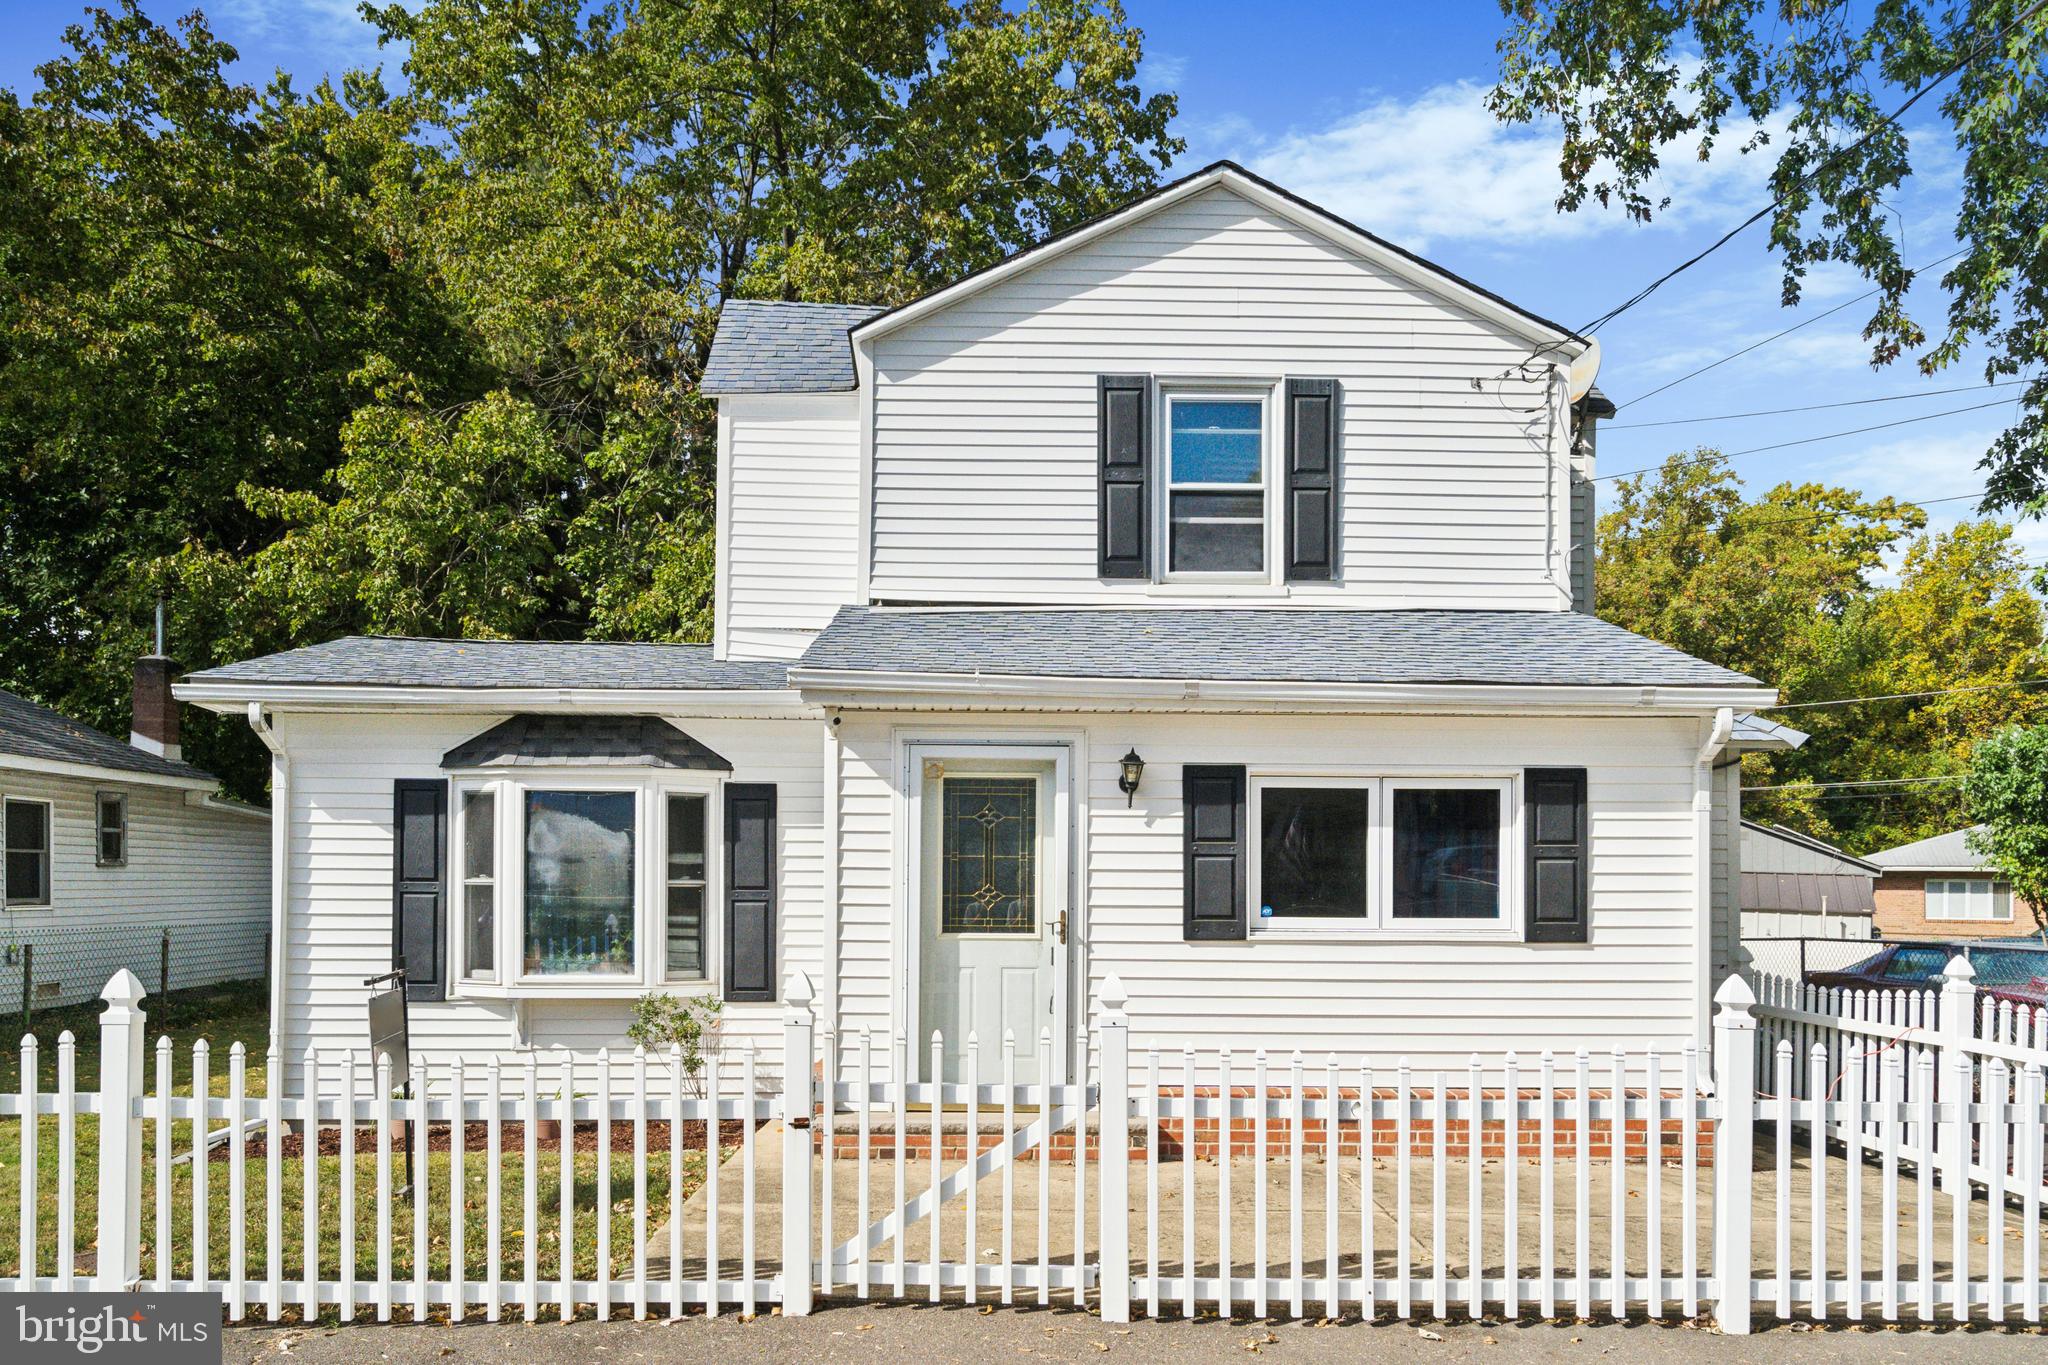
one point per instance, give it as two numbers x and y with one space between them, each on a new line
1421 1244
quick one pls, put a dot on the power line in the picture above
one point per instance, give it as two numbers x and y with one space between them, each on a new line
1908 696
1926 87
1868 782
1808 440
1755 345
1813 407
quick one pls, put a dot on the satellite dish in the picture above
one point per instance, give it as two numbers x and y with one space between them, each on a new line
1585 369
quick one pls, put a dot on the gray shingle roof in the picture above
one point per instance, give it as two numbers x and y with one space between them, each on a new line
769 347
31 731
399 661
1940 851
1533 648
605 741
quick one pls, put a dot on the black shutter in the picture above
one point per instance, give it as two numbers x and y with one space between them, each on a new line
1214 867
750 891
1555 815
1311 480
1123 421
419 885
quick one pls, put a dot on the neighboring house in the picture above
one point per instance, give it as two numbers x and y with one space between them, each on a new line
108 844
1199 598
1939 888
1795 885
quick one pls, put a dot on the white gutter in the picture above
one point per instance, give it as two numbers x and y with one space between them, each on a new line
228 697
870 687
103 773
1703 871
280 850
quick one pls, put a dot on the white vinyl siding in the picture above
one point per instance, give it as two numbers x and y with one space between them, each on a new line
984 415
194 869
790 549
338 923
1433 997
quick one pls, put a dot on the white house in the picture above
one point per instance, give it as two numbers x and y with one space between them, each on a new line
111 844
1201 596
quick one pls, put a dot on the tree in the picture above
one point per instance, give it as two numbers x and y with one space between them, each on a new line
190 274
1634 81
357 361
2007 792
1789 589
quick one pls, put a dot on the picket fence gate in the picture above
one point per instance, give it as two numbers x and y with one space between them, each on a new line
1640 1159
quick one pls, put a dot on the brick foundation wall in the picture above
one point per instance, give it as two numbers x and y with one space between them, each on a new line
1208 1139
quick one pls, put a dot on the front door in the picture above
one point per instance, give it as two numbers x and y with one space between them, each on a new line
991 903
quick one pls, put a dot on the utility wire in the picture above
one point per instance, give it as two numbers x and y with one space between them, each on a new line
1925 88
1812 407
1907 696
1807 440
1869 782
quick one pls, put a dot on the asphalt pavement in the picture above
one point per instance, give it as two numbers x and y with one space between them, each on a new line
846 1332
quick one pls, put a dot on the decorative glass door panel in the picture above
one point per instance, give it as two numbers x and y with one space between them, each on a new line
989 855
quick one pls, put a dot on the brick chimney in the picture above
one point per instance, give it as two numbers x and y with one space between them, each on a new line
155 726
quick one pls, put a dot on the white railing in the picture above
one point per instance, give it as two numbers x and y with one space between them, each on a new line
1565 1185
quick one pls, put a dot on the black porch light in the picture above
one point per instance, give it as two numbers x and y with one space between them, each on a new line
1127 781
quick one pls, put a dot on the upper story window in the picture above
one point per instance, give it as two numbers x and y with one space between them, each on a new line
1216 485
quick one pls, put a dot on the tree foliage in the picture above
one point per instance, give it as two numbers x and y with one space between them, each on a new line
1790 587
2007 793
1633 82
307 363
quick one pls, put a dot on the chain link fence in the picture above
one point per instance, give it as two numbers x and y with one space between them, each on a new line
1790 958
52 966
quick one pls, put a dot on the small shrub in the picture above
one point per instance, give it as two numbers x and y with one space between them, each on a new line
661 1020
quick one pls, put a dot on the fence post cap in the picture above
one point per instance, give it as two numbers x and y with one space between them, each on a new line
798 990
1959 974
1113 995
123 988
1735 999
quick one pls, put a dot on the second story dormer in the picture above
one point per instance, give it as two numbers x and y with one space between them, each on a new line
1218 395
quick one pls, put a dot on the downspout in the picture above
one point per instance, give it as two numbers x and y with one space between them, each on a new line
280 849
1703 871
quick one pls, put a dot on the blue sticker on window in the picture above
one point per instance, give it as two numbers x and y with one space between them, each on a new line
1265 912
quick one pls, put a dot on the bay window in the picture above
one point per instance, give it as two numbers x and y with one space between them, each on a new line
585 882
579 905
480 884
1420 854
686 877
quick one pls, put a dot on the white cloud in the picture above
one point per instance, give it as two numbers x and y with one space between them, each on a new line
333 29
1161 71
1440 166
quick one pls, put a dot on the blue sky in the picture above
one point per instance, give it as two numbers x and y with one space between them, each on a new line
1374 111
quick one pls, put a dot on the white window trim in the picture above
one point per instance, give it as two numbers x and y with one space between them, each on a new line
460 881
1379 923
1953 907
99 827
650 881
49 899
1267 393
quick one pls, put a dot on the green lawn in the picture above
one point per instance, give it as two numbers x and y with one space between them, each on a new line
239 1014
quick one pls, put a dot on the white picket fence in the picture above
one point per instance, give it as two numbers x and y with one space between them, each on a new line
1560 1186
1941 1091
